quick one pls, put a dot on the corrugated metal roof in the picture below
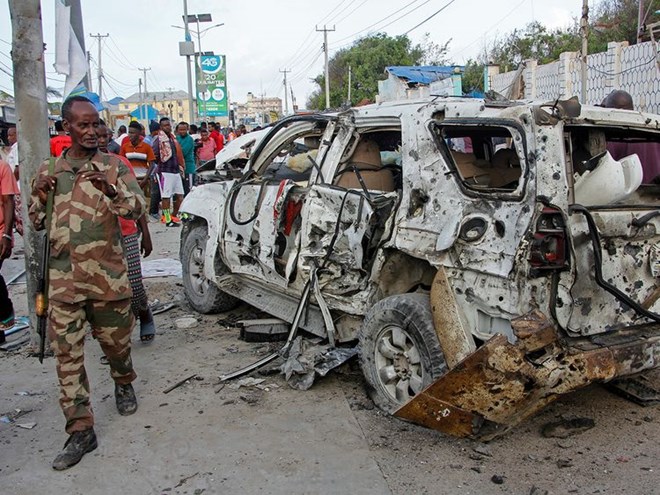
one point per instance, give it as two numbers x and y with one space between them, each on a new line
423 74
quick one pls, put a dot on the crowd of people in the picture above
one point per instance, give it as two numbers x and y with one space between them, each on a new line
93 197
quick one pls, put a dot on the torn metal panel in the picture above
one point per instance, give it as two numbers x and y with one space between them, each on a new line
348 265
501 384
628 260
250 248
455 338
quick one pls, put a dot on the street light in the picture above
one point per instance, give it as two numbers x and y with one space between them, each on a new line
197 18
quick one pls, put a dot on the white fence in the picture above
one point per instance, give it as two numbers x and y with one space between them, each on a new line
635 69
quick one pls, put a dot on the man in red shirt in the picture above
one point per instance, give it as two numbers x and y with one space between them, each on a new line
60 142
8 191
217 136
140 154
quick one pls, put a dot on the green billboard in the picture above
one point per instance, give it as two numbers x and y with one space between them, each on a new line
212 86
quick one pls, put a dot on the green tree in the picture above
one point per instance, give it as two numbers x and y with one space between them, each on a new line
609 20
616 20
367 58
535 41
473 76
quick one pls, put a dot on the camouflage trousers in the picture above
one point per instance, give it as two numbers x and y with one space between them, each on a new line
112 323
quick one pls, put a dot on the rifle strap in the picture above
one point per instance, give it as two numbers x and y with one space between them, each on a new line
49 218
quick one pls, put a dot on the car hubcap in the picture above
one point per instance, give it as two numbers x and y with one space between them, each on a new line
198 281
398 363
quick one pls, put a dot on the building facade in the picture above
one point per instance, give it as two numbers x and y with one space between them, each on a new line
258 110
172 104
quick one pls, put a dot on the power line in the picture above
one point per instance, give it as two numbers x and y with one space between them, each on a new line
117 81
379 21
483 36
109 85
352 11
330 13
431 16
112 40
338 13
303 72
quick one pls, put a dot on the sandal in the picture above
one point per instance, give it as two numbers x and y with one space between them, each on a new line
147 332
7 323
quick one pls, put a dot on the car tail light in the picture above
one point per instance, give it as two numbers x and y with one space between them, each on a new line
549 249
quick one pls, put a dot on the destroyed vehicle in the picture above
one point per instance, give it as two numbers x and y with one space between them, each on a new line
230 161
487 256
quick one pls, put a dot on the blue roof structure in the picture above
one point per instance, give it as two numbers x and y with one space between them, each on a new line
116 100
148 112
423 74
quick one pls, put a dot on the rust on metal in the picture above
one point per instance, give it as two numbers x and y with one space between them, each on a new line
502 384
454 338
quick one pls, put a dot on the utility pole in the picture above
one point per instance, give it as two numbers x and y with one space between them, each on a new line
141 100
89 71
144 71
286 95
98 37
327 70
584 29
640 21
349 85
27 53
191 108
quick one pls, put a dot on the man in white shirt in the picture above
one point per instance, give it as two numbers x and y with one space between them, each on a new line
12 157
121 135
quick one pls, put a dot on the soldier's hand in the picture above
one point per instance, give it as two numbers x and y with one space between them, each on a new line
146 247
43 185
100 182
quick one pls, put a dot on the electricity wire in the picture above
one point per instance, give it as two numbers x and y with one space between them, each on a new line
380 20
430 17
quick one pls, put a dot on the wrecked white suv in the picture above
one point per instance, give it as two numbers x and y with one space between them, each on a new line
500 247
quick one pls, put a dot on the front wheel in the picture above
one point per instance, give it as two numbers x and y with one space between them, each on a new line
399 350
202 294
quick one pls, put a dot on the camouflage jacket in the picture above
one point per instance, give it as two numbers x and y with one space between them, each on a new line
86 255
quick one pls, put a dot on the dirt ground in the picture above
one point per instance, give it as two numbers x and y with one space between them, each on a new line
205 438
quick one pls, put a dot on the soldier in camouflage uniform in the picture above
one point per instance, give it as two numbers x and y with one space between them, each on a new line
88 271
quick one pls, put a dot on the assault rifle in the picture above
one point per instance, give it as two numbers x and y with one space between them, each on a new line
42 282
42 298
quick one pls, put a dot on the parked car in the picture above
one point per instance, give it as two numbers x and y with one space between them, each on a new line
434 231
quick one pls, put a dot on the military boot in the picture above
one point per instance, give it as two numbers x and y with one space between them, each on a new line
78 444
125 399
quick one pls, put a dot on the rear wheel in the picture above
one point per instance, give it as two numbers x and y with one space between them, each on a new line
201 293
399 350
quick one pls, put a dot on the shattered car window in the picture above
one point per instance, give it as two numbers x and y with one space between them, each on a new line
612 165
372 161
485 157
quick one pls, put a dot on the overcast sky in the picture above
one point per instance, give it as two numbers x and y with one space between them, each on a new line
261 37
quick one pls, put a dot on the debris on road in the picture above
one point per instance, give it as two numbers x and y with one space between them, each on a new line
567 427
158 307
642 389
306 360
246 382
497 479
186 322
178 384
11 417
263 330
